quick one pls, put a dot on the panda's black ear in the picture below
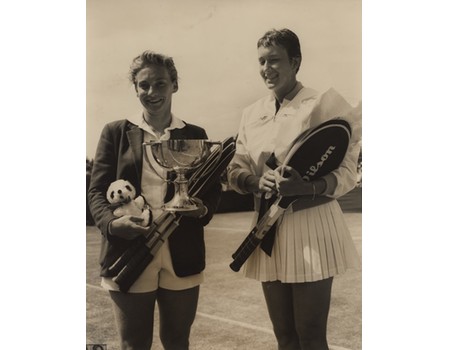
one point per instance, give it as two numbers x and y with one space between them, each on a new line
112 195
128 187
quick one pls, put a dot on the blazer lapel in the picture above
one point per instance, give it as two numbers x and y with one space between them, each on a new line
136 138
178 134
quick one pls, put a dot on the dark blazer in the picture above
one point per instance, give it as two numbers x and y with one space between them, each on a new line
119 156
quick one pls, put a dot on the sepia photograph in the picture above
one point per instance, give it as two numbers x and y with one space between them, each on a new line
224 174
223 204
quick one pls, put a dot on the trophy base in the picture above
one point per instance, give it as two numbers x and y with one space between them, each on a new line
176 209
180 205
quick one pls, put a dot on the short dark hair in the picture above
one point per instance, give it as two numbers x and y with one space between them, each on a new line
284 38
148 58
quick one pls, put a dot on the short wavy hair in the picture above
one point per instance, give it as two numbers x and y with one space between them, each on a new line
284 38
148 58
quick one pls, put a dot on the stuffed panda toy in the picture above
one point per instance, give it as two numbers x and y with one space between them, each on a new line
121 194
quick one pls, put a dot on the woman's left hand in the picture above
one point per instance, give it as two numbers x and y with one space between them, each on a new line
200 212
293 185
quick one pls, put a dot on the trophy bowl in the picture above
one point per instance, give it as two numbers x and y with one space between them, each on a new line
180 156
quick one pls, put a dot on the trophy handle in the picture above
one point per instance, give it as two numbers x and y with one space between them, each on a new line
150 144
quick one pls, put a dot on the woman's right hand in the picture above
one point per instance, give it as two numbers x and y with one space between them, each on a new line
127 227
264 184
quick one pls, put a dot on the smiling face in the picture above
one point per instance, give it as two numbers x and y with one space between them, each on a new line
277 70
154 89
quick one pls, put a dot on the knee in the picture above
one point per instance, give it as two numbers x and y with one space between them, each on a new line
287 339
174 335
135 338
313 338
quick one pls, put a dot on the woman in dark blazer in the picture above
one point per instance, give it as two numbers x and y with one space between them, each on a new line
173 277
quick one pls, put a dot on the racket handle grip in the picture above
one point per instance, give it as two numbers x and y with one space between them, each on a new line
244 252
244 243
131 272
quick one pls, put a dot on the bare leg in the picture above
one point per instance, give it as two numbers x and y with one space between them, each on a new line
134 314
281 311
177 311
311 306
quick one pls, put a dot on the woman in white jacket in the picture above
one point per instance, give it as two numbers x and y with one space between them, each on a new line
310 245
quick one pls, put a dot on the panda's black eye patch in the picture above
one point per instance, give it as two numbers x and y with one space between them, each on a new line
128 187
112 195
119 191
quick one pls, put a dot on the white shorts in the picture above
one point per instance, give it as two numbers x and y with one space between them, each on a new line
159 273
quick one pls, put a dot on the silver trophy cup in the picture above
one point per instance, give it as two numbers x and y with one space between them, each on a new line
180 156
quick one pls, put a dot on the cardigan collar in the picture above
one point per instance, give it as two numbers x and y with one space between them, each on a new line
290 107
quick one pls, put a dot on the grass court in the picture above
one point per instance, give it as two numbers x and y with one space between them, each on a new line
231 313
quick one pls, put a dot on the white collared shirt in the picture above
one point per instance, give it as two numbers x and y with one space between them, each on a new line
263 132
153 180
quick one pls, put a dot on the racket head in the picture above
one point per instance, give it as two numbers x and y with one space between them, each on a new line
318 152
214 166
321 150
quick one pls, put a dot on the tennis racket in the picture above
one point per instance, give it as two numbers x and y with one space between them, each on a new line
313 154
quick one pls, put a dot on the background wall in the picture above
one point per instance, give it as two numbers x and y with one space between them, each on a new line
213 44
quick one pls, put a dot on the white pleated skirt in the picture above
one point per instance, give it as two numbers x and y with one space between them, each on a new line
310 245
